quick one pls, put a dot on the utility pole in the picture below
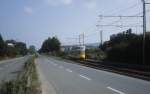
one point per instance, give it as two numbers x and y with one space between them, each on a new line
79 40
144 30
101 37
83 39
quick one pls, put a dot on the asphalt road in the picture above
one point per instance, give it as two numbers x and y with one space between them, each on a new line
68 78
10 68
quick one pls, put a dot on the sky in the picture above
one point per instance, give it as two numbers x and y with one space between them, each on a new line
33 21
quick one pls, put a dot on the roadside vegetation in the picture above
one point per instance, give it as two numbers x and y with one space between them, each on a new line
12 48
95 54
27 81
126 47
51 46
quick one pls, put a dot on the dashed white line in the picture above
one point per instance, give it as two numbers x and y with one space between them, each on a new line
115 90
85 77
68 70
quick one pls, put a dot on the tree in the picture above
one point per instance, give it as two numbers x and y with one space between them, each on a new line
127 47
32 49
55 44
45 46
11 48
2 47
21 48
50 45
11 51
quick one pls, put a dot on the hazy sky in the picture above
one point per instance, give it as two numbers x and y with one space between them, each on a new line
33 21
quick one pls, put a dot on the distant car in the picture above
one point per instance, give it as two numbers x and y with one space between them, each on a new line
77 52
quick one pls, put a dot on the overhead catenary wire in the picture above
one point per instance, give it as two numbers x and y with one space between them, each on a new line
135 15
113 23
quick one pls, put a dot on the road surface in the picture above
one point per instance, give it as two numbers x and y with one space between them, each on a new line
68 78
10 68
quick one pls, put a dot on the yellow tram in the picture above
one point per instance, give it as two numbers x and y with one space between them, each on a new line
77 52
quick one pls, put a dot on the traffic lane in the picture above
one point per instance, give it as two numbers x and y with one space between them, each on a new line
10 60
121 82
10 68
69 82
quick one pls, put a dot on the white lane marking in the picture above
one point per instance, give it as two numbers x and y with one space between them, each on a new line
60 67
85 77
115 90
68 70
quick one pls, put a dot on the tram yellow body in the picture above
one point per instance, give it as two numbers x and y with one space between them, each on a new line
78 52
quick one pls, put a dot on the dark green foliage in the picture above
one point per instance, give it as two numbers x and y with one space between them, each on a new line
127 47
21 48
2 47
11 48
11 51
147 47
45 46
95 53
55 44
32 49
50 45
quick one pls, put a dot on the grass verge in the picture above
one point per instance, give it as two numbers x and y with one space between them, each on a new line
27 81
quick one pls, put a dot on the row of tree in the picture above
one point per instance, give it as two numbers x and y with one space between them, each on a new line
50 45
127 47
11 48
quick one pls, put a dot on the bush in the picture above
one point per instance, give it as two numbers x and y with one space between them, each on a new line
127 48
95 53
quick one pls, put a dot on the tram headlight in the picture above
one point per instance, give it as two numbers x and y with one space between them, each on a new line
83 56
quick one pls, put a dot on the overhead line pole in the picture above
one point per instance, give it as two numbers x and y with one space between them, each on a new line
144 28
101 36
83 39
79 40
144 31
